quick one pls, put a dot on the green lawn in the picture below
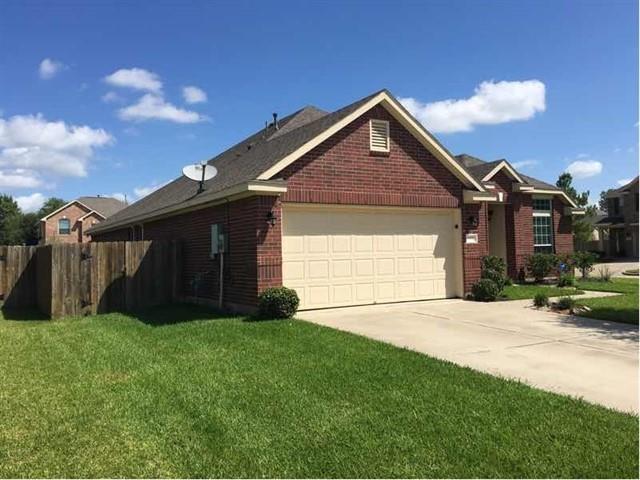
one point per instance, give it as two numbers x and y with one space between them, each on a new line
177 392
620 308
522 291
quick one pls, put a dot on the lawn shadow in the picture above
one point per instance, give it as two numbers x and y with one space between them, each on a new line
177 313
615 330
23 314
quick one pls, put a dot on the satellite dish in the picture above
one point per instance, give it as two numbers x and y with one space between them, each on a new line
200 172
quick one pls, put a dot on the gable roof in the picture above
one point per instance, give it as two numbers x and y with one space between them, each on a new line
104 206
480 168
263 155
623 188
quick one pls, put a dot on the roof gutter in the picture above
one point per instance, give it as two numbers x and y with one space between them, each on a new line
237 192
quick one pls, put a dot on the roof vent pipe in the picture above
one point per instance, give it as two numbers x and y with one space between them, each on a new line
275 121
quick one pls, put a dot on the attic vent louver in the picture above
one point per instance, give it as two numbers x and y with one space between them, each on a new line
379 135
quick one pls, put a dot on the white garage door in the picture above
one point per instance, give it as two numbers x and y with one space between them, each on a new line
356 256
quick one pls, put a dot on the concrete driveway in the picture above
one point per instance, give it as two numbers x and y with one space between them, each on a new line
592 359
616 268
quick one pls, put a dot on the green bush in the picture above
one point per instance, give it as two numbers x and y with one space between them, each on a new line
278 302
540 300
566 303
584 261
494 268
540 265
485 290
566 280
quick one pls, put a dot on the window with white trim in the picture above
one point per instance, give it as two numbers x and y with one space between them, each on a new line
379 135
542 226
64 226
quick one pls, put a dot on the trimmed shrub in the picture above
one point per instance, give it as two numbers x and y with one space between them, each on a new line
566 303
278 302
604 274
485 290
584 261
494 268
540 265
566 280
540 300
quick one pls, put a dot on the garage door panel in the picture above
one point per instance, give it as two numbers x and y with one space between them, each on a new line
406 266
343 294
341 244
319 269
342 268
317 244
293 270
364 293
364 267
385 291
342 256
385 266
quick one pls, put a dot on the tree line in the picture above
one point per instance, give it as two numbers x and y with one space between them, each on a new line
20 228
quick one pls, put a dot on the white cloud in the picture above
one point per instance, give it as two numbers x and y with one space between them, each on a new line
111 97
584 168
624 181
154 107
136 78
19 178
492 103
193 94
31 203
32 143
50 68
524 164
144 191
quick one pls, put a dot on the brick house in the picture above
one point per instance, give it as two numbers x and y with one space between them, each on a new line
620 226
69 223
358 206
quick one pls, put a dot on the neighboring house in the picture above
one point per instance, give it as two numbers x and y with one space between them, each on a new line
358 206
596 242
620 226
69 223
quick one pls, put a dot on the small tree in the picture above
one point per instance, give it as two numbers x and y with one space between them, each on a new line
582 227
584 261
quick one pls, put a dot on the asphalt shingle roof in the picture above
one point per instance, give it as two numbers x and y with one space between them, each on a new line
480 168
239 164
247 160
105 206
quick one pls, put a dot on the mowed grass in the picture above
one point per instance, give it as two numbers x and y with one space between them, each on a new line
620 308
177 392
523 291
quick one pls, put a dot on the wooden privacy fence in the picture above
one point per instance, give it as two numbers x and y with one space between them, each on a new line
18 276
82 279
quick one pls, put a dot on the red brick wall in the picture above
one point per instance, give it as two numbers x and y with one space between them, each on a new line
73 212
343 170
519 232
473 252
562 226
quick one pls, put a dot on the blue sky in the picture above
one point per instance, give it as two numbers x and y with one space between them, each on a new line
92 96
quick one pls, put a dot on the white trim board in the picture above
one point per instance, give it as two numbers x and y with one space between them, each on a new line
510 170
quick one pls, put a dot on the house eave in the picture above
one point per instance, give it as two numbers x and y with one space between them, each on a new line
237 192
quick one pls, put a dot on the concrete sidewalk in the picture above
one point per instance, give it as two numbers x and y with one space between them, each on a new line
588 358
